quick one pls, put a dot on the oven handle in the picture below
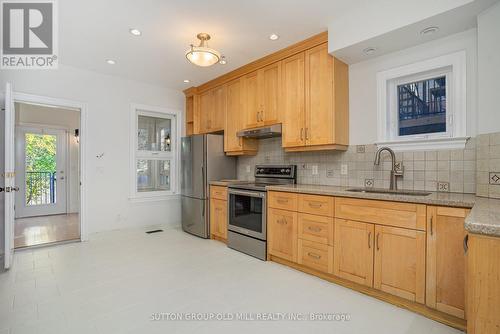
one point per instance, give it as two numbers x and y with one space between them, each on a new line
246 193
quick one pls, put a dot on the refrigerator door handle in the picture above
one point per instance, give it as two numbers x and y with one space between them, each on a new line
203 209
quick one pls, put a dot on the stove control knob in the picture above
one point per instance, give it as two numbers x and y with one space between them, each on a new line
288 170
282 170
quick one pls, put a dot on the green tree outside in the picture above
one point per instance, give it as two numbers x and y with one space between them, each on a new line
40 157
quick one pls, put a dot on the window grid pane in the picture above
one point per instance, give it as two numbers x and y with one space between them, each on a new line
422 106
154 134
153 175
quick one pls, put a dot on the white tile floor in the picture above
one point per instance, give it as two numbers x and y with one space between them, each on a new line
116 281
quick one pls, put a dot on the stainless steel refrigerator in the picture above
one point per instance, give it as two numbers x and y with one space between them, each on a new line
202 160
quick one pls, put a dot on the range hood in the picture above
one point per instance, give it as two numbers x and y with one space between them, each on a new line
261 132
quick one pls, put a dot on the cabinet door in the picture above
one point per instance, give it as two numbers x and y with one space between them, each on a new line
400 262
353 251
233 117
319 96
282 234
445 290
253 105
292 103
218 218
206 107
219 109
271 79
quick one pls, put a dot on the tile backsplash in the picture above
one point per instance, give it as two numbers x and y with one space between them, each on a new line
451 170
488 165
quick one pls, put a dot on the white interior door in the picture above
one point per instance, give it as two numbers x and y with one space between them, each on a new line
9 177
41 171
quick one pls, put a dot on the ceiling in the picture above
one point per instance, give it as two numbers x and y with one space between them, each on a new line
92 31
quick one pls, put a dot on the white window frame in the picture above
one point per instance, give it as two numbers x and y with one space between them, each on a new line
137 110
453 66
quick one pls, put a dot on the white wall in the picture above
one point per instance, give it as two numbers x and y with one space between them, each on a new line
363 82
108 101
62 118
488 43
381 16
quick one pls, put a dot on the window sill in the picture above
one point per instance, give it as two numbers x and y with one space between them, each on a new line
457 143
139 199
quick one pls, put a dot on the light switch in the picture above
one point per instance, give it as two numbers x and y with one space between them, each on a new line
247 168
314 169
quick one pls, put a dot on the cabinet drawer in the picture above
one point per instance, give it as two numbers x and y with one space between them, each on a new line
316 205
283 201
316 228
406 215
316 256
218 192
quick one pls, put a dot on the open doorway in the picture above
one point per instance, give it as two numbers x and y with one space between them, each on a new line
47 154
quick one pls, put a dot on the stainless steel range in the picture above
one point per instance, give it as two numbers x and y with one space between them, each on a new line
247 208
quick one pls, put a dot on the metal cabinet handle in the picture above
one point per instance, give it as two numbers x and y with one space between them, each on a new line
378 234
307 138
301 134
282 221
314 228
466 243
314 255
282 201
369 240
315 205
432 232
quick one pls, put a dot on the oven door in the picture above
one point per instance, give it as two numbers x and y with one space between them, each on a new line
247 213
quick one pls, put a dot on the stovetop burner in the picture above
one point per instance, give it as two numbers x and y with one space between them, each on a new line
266 175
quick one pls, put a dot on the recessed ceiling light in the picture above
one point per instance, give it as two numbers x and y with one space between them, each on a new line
110 61
223 60
135 32
273 37
369 51
186 81
429 31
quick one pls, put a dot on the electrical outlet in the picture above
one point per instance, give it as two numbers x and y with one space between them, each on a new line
247 169
495 178
443 186
369 183
330 173
314 169
343 169
360 148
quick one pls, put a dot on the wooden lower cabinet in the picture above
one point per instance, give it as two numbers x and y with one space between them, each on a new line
282 234
316 228
483 285
353 251
218 218
399 265
446 260
315 255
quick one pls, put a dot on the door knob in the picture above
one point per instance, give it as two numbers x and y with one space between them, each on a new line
15 188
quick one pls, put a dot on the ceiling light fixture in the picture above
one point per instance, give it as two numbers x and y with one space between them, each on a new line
223 60
429 31
273 37
135 32
202 55
369 51
186 81
110 61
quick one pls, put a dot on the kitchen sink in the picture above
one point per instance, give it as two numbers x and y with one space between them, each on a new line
389 192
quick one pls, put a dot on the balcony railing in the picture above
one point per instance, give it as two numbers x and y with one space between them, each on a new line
40 188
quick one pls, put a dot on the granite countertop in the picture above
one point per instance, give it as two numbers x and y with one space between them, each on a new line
484 217
225 183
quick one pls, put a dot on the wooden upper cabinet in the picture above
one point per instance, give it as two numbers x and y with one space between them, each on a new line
252 103
317 116
219 109
262 96
353 251
234 145
270 93
212 111
446 261
292 103
205 112
399 266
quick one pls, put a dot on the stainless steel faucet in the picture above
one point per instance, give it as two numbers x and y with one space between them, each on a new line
394 171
